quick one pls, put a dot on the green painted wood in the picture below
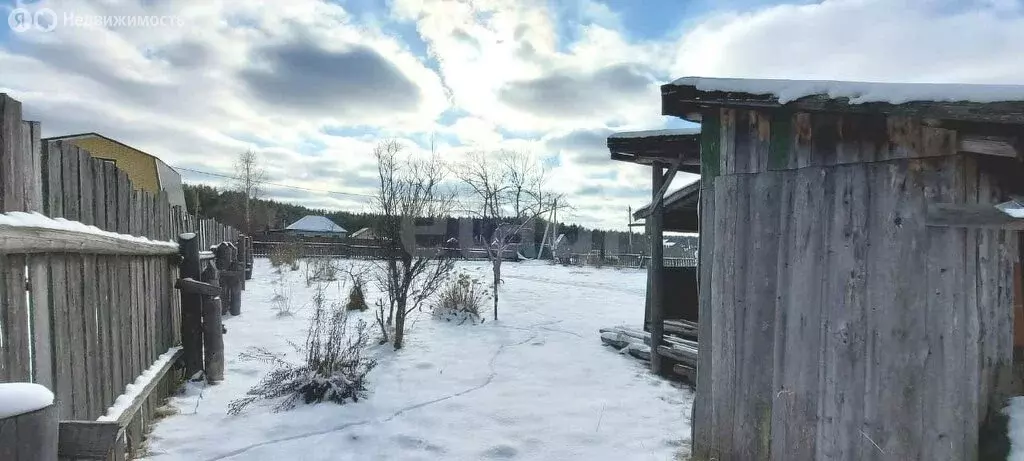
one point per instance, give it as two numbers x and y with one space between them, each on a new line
710 144
780 145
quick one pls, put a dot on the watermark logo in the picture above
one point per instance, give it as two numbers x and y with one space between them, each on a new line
23 19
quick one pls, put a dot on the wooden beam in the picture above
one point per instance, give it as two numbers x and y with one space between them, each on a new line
678 354
196 287
989 145
690 373
656 267
659 196
971 216
26 239
87 439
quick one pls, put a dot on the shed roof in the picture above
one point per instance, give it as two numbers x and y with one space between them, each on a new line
315 224
680 209
646 147
1004 104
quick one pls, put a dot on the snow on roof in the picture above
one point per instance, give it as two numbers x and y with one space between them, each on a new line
366 231
653 133
859 92
315 224
20 398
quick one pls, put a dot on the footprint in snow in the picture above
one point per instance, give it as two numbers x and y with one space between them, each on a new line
416 443
500 452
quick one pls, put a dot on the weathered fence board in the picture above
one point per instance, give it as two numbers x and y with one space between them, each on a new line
60 308
15 318
92 368
76 327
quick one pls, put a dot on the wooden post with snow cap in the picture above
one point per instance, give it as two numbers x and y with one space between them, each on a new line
28 423
213 330
191 305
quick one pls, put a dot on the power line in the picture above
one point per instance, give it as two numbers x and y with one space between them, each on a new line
221 175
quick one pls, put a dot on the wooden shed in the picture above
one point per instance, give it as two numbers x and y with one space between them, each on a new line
856 292
671 292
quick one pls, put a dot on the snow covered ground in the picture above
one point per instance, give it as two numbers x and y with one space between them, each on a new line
536 385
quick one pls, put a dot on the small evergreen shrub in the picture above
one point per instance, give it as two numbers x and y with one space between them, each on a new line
356 296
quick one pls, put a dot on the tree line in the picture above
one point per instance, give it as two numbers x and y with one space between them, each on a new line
228 207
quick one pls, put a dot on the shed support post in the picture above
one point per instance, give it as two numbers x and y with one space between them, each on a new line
655 268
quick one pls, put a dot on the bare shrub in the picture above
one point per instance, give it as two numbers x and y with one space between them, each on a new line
334 368
320 270
282 301
460 301
286 255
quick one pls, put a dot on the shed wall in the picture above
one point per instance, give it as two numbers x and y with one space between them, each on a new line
141 168
840 326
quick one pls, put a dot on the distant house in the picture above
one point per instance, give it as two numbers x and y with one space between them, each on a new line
146 171
315 226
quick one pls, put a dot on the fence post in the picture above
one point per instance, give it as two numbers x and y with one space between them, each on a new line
222 253
191 306
30 436
237 280
213 330
248 257
243 260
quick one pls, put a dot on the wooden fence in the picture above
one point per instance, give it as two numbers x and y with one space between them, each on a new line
361 250
83 313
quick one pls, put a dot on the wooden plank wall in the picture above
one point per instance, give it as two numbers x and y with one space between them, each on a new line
116 315
86 325
840 327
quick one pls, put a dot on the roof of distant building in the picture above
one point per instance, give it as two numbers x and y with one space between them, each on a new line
315 224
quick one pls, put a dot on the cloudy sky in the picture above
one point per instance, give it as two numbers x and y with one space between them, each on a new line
312 85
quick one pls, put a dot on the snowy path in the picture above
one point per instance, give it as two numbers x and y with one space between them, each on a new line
535 385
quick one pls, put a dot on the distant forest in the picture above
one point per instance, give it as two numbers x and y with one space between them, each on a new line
228 207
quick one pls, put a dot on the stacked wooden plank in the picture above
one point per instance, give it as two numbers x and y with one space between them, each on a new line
637 343
683 328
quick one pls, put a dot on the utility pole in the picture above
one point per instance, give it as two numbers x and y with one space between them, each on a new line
629 227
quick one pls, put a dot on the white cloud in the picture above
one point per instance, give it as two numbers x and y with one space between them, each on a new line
875 40
238 75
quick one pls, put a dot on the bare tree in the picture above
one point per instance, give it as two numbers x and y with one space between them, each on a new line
249 181
410 190
508 190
